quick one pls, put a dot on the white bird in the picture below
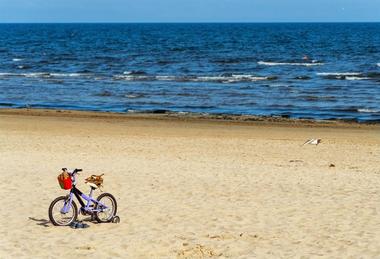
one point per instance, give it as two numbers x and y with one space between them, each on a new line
313 141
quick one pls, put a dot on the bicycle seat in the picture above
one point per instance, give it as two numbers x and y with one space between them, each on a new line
92 185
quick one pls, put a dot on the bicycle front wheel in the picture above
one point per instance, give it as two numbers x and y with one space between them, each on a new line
106 208
60 217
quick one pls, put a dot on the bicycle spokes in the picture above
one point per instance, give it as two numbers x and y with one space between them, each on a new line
66 207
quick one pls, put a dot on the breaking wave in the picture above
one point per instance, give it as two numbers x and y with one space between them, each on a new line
42 75
224 78
349 75
353 78
339 74
368 111
307 64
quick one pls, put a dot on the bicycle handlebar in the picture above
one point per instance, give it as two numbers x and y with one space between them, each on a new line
73 174
77 170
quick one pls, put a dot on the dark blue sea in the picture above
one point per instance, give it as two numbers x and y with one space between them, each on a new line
314 71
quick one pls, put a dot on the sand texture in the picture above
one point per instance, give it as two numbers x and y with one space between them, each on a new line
192 188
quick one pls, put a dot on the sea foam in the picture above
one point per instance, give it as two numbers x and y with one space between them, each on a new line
339 74
353 78
41 74
232 78
368 111
267 63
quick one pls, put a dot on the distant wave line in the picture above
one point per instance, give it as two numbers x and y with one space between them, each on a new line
368 111
339 74
353 78
43 74
142 76
233 78
268 63
349 75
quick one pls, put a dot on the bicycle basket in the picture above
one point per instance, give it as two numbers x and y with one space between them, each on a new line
64 180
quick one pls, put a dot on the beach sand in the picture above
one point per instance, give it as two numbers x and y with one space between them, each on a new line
192 188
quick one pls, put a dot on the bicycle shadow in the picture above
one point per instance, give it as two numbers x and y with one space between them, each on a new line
46 223
90 220
41 222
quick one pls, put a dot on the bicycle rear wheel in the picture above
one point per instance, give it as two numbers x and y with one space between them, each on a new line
59 218
107 213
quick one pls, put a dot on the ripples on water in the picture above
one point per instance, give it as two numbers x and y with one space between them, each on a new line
319 71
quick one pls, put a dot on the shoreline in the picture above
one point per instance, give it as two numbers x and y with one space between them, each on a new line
191 117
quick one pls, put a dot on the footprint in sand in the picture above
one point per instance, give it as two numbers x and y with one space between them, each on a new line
197 251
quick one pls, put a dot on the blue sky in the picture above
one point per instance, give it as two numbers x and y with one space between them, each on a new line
189 10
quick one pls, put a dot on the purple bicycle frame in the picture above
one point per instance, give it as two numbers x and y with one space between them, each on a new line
80 197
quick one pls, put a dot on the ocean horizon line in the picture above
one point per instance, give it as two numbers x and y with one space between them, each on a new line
201 22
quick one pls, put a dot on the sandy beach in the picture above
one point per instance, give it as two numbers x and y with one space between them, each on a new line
192 188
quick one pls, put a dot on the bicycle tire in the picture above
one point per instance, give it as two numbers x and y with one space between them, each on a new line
109 219
56 222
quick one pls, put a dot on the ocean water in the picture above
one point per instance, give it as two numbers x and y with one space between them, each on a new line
315 71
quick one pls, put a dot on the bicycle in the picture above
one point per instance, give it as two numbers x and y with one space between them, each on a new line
63 210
